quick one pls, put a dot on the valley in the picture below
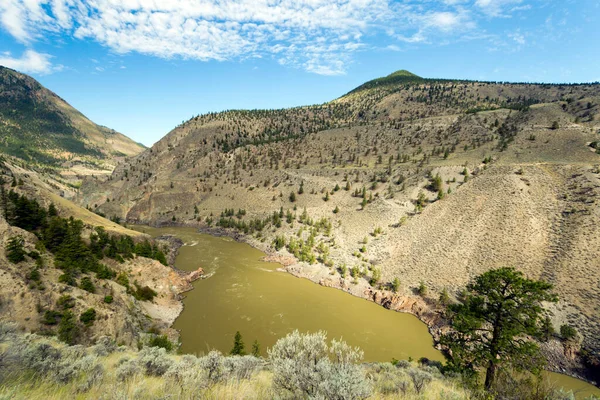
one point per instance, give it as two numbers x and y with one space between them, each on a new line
400 192
423 182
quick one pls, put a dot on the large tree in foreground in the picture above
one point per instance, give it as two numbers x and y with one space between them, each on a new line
495 325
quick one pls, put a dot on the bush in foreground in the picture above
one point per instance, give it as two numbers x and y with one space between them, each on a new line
299 366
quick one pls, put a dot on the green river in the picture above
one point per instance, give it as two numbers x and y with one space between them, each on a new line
245 294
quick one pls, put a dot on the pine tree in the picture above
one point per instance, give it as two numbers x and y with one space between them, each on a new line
444 297
3 199
256 349
52 212
15 253
547 329
238 345
68 331
395 285
500 310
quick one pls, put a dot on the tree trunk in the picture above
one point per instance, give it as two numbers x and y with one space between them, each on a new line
490 375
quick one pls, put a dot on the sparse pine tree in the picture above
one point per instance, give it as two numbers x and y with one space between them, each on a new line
547 329
395 285
444 298
52 212
68 331
15 252
238 345
256 349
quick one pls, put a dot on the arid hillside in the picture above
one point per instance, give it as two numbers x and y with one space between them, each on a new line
68 272
46 133
427 181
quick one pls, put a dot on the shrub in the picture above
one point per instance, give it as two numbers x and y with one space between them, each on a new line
34 275
87 285
51 317
241 367
40 357
65 302
213 364
104 346
567 332
302 368
403 364
154 361
122 280
127 369
161 341
108 299
419 379
187 372
144 293
88 317
71 368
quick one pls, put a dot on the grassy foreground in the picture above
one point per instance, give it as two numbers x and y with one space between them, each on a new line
298 366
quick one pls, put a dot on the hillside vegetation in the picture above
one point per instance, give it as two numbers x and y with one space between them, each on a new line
404 188
43 130
298 366
80 279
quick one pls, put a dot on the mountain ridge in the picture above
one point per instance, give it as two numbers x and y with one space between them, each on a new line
420 180
37 125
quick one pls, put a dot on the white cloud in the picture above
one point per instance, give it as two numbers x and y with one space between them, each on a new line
517 37
446 21
317 35
30 62
498 8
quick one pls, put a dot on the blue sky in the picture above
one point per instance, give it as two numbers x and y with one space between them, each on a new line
143 66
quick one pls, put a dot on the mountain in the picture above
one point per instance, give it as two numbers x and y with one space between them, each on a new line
395 78
39 127
46 148
425 180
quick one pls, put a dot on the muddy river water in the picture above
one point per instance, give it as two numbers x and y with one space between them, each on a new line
245 294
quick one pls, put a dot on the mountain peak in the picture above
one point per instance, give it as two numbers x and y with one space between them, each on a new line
403 72
399 77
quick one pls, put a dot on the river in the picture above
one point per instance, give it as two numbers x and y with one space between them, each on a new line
248 295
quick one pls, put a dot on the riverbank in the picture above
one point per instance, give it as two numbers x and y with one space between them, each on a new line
169 282
426 309
562 358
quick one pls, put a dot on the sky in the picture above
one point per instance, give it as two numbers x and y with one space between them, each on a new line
142 67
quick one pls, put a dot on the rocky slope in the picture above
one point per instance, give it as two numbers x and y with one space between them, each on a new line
34 295
431 181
